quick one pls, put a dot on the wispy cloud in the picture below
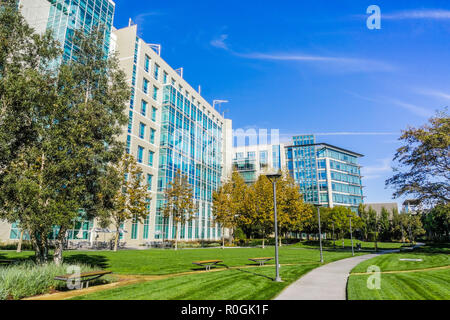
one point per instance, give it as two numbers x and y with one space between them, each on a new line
412 108
356 133
420 111
377 171
220 42
436 94
142 18
350 63
434 14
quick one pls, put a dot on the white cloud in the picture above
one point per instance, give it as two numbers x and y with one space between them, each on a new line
437 94
220 42
420 111
434 14
377 171
350 63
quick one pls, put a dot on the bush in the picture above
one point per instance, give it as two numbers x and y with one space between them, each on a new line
26 246
28 279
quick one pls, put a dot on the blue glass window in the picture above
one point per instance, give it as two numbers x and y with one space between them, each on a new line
140 154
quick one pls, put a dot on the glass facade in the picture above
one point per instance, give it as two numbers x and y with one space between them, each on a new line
332 170
191 141
66 16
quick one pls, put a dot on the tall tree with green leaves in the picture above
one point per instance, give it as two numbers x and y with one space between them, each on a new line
223 209
73 126
124 195
424 162
437 223
179 203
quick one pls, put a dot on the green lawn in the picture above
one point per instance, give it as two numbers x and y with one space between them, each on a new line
432 256
234 284
426 285
420 285
348 244
160 262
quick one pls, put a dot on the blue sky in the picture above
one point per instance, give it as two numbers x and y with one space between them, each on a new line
311 66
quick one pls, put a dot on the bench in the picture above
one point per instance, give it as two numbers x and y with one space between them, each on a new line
85 277
6 262
207 264
261 261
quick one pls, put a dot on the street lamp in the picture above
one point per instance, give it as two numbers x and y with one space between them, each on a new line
351 236
320 232
273 178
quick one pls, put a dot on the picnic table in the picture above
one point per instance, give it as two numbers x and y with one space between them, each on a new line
85 277
6 261
207 263
261 261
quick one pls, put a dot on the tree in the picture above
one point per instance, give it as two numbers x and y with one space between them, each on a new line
73 128
425 161
437 222
126 195
223 209
26 92
293 212
385 225
179 204
261 213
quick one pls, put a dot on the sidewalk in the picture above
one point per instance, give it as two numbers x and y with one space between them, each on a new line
328 282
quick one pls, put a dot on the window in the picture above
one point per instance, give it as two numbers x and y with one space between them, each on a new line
128 144
140 154
156 72
145 86
152 136
150 158
154 114
144 108
155 93
165 77
149 182
141 130
130 121
147 63
134 229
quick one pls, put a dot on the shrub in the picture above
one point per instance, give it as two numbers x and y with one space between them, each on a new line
28 279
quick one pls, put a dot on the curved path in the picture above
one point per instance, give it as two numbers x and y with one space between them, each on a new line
328 282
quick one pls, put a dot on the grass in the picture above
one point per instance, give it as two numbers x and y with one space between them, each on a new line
426 285
233 284
161 262
347 244
432 256
414 285
28 279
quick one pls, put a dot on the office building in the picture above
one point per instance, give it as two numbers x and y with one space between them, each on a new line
251 161
334 169
63 17
171 127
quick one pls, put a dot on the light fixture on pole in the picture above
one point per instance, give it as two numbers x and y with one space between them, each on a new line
219 102
320 231
351 235
273 178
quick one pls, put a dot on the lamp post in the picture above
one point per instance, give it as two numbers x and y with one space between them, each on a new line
320 231
334 241
273 178
351 236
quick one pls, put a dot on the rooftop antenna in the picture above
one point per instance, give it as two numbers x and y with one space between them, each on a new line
199 89
156 48
180 72
130 22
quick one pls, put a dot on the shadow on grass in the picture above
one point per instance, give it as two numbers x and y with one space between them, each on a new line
198 268
90 260
255 274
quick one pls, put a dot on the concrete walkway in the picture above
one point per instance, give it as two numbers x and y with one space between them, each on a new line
328 282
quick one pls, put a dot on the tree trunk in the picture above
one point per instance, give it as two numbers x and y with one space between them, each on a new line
40 251
19 245
116 240
264 239
59 247
176 236
223 238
